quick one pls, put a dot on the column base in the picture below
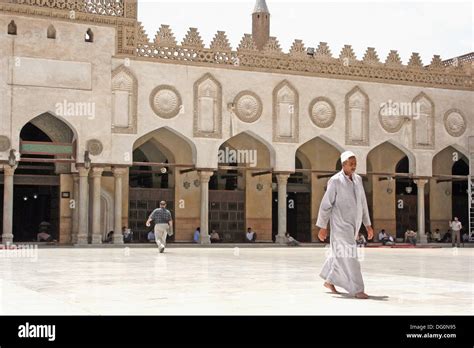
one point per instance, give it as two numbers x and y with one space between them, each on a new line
423 238
205 239
7 238
96 239
81 240
118 240
280 239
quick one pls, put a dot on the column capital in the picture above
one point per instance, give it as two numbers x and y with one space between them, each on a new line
83 171
9 170
96 172
282 178
75 177
205 175
420 182
119 171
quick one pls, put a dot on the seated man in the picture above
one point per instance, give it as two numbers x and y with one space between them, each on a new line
151 237
291 241
44 237
110 237
436 236
215 237
361 240
429 237
197 235
386 238
250 236
410 237
446 237
127 235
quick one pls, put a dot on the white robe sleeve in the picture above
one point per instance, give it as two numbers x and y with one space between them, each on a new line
326 205
365 211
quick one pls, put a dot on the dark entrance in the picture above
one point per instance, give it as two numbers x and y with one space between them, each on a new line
227 214
459 200
142 201
44 141
298 215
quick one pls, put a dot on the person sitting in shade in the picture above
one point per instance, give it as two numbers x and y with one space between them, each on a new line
215 237
361 240
410 237
386 238
127 234
197 235
290 241
151 237
436 236
44 237
465 238
110 237
250 236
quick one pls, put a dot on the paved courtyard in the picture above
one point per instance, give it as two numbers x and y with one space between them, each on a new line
110 281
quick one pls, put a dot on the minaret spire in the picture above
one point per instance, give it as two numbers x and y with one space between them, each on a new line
260 24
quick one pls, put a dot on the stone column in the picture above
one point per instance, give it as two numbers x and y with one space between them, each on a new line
118 175
420 183
96 213
204 177
282 180
75 212
83 223
7 236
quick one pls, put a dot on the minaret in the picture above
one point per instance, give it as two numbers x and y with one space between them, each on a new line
260 24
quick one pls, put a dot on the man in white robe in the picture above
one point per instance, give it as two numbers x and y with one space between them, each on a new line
344 205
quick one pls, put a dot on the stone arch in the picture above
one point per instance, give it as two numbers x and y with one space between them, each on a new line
54 126
323 155
321 152
411 156
253 138
442 193
107 213
166 136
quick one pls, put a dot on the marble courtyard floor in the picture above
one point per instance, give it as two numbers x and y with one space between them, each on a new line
133 281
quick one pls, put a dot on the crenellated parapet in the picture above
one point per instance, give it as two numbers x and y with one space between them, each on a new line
317 62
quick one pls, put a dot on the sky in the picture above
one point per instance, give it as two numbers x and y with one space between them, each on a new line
436 27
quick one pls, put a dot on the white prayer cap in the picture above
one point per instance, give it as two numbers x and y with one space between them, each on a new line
346 155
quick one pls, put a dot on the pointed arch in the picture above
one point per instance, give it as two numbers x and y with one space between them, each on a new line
411 157
322 152
56 127
207 115
285 113
124 100
423 124
172 140
51 32
255 137
357 117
